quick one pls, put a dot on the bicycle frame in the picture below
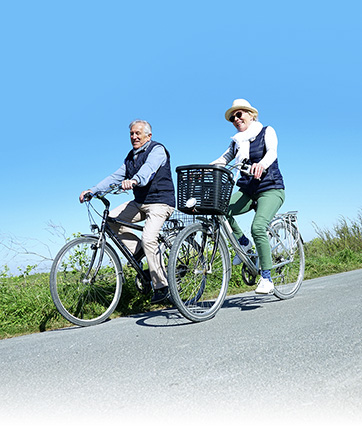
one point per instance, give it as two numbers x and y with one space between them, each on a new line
220 221
199 268
126 252
106 229
227 231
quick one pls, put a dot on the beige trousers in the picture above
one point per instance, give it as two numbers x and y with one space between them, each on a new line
154 216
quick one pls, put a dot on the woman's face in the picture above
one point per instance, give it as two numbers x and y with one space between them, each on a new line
241 119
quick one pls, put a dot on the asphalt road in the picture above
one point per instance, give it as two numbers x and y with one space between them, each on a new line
260 360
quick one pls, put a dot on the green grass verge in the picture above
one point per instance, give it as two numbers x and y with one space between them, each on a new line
26 305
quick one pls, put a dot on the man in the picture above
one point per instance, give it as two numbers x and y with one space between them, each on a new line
146 170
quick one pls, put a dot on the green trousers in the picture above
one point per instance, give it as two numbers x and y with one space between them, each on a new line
268 203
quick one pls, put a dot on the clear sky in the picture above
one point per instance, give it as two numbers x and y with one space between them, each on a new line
75 73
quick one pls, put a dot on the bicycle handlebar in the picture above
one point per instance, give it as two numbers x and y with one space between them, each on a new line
244 168
88 196
114 189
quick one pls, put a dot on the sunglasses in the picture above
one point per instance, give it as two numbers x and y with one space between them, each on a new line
237 115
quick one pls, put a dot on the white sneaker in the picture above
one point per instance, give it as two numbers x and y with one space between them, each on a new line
246 249
264 287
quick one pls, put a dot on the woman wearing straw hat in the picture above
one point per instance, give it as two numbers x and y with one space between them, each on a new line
257 144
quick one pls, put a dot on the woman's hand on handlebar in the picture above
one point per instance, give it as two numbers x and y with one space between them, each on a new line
85 196
257 170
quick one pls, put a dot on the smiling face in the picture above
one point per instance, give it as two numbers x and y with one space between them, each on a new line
241 119
138 135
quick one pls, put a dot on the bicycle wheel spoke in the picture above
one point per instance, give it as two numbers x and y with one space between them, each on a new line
85 284
197 283
288 259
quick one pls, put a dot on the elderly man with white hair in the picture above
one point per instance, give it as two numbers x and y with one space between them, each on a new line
147 171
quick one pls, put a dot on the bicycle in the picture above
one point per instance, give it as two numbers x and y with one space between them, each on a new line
199 266
86 277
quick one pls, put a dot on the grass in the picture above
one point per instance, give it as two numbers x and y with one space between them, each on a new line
26 305
335 250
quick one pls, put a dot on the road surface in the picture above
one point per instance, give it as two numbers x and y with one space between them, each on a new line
260 360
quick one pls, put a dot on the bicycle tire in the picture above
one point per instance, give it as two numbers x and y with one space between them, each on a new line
86 300
198 288
288 259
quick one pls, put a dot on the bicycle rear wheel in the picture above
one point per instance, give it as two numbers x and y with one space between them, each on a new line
84 284
288 259
198 272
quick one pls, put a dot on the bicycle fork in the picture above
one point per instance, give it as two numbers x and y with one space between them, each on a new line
97 247
216 235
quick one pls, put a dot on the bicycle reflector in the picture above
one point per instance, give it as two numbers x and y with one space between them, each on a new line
191 202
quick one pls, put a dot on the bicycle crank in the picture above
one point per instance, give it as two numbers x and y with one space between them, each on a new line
248 278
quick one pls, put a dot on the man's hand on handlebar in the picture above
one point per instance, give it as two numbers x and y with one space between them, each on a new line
85 196
128 184
125 185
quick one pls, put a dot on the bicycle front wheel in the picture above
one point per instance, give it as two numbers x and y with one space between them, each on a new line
198 272
86 284
288 259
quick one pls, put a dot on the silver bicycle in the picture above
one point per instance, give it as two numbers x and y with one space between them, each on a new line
199 267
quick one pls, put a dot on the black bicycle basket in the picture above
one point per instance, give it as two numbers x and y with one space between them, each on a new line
209 185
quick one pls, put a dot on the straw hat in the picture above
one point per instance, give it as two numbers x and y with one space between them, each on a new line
240 104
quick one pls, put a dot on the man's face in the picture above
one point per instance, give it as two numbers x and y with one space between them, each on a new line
138 136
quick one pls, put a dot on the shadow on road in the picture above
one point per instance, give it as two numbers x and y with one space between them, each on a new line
171 317
162 318
248 302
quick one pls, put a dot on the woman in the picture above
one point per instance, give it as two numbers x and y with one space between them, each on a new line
258 145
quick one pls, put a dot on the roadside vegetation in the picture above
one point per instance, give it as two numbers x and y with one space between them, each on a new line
26 305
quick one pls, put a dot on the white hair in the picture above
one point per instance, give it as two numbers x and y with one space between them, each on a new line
147 127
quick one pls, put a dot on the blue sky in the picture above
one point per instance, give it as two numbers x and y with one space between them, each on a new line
75 73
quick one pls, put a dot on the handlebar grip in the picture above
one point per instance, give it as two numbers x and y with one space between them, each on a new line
88 196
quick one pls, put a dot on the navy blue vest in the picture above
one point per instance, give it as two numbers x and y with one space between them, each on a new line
271 179
160 188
